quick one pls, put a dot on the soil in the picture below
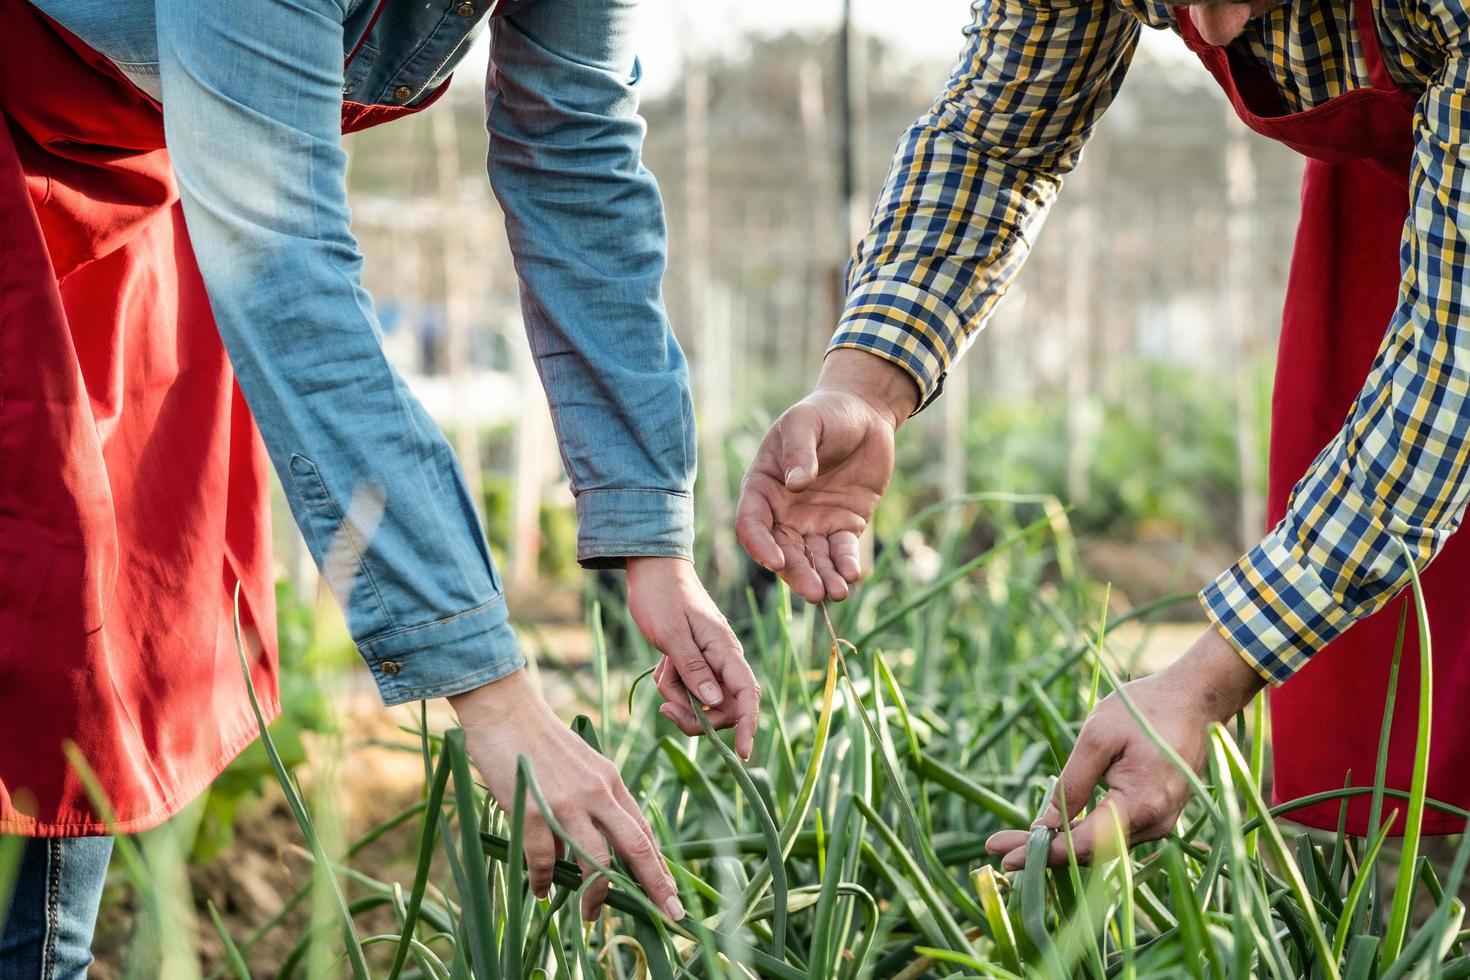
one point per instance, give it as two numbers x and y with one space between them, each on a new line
265 864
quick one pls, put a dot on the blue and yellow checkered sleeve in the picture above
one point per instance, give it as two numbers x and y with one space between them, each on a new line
973 178
1399 470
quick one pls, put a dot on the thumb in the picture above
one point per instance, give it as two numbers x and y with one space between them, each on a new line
1091 757
696 673
801 430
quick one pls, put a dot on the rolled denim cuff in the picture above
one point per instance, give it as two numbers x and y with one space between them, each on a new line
614 525
449 656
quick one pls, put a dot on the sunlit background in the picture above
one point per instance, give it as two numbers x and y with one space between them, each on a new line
1125 372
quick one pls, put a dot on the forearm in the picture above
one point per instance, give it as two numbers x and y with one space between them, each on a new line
586 227
376 490
1398 473
878 381
932 266
973 179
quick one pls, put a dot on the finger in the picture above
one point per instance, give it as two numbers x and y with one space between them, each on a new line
1094 834
1016 847
743 693
749 711
1099 832
1003 842
753 524
682 718
694 670
624 798
833 584
541 847
799 574
722 717
590 842
665 675
1138 817
740 715
635 845
801 430
1098 744
746 712
846 555
668 682
669 889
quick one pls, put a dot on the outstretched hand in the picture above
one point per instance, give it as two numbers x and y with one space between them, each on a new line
819 473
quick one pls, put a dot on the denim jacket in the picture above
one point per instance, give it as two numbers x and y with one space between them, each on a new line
252 97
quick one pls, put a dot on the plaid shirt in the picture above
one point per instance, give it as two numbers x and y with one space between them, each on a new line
973 178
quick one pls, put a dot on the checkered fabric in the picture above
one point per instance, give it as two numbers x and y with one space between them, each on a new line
973 178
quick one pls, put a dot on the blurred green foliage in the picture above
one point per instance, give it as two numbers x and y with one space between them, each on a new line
557 527
1165 457
303 709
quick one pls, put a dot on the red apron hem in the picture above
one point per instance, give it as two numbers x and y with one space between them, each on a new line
1323 816
182 795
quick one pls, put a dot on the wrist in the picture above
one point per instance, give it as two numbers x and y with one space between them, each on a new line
1222 681
885 386
657 563
509 700
656 569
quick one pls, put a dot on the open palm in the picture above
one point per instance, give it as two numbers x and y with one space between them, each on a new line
812 488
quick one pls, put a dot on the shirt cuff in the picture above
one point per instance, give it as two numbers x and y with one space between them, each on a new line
1274 608
906 325
450 656
614 525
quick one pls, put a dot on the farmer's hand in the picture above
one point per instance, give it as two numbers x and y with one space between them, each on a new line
701 653
1147 792
820 472
507 719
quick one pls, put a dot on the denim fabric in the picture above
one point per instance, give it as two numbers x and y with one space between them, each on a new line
252 97
46 931
400 51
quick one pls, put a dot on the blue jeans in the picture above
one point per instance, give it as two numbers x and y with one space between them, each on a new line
46 933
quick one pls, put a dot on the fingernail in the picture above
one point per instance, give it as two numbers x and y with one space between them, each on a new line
1048 819
709 693
793 474
674 908
666 711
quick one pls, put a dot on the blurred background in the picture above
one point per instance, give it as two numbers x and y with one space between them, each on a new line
1127 373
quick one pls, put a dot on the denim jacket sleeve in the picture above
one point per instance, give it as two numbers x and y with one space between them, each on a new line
252 104
586 228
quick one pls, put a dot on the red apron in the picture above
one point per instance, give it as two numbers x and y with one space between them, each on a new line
1341 295
134 488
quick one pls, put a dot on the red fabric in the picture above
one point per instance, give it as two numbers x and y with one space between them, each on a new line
1341 295
356 116
133 483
